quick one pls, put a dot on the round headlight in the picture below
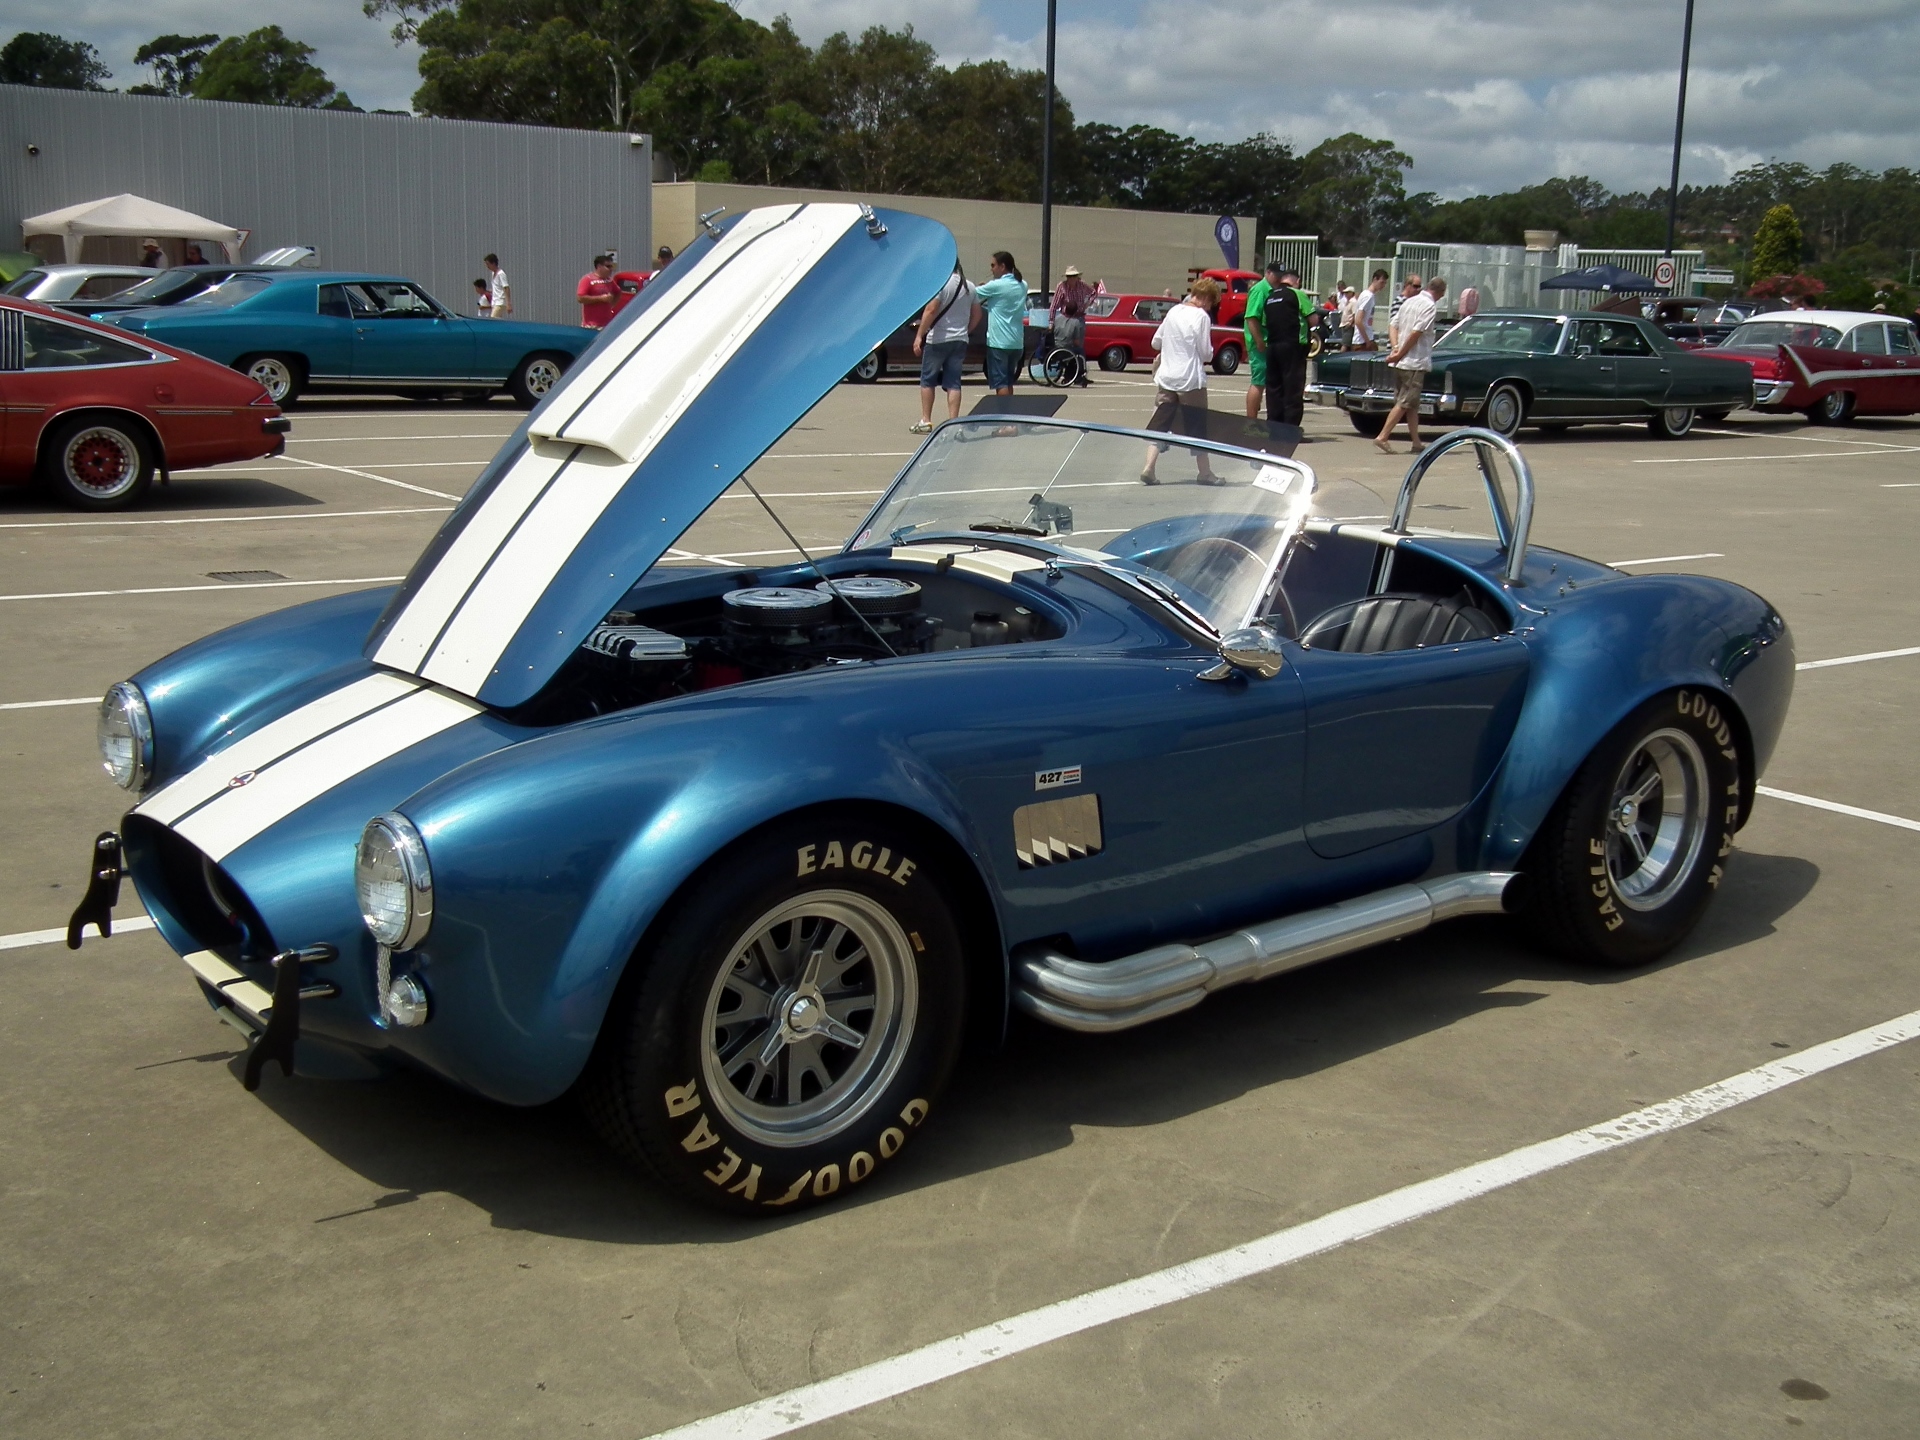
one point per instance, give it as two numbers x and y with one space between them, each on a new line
392 881
126 736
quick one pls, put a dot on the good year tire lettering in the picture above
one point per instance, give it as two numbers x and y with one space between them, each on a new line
685 1100
860 855
1700 708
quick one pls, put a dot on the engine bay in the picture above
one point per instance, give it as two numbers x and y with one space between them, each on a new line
685 644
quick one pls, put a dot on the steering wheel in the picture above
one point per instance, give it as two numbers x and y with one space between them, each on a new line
1226 572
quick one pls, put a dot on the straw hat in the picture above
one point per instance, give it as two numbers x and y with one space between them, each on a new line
1073 270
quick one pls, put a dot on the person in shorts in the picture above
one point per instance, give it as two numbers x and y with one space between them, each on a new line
1004 298
1256 338
1185 345
940 340
1410 359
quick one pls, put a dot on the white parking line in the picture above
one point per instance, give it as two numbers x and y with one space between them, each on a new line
49 937
384 439
1837 808
1857 659
856 1389
369 475
1798 439
225 585
219 519
48 705
1668 559
1796 455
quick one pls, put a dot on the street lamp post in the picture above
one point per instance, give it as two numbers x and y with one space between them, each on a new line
1046 165
1679 126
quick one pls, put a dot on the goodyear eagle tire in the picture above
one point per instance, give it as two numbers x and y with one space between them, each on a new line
1628 858
795 1021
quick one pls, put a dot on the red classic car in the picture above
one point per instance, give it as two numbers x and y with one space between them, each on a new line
1234 288
93 412
1830 364
1120 332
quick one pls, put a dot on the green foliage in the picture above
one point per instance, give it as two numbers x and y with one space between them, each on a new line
267 67
176 62
1776 244
1354 198
34 57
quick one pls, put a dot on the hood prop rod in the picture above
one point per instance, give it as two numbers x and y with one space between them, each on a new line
814 565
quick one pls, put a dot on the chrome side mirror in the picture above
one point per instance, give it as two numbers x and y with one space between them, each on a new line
1253 651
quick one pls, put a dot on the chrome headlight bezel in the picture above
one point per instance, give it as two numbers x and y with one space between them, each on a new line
391 857
123 729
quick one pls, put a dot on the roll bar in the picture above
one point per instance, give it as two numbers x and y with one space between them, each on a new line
1512 529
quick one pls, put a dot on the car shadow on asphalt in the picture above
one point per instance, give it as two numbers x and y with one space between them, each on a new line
211 492
545 1171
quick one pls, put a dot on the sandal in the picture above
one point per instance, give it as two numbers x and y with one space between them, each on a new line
920 427
1147 477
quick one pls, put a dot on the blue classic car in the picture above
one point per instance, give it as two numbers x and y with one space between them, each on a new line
738 857
301 330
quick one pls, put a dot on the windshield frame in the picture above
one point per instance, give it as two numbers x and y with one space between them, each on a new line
1056 550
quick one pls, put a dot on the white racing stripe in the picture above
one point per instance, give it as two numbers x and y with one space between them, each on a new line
616 407
414 630
1837 808
855 1390
228 822
272 741
25 938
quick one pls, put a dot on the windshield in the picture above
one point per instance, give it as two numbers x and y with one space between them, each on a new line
1210 527
1784 332
228 292
24 285
1503 335
166 285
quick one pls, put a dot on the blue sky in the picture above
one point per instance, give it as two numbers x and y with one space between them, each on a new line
1484 94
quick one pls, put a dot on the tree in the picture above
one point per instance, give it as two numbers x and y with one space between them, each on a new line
1354 196
1776 244
176 62
34 57
267 67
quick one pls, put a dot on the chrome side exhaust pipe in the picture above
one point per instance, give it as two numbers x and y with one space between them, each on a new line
1119 994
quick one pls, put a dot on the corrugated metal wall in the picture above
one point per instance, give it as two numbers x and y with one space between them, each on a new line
421 198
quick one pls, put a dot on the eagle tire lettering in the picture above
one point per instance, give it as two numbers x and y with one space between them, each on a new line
867 855
1578 907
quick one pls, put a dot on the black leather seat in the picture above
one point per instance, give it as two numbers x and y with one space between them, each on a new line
1380 623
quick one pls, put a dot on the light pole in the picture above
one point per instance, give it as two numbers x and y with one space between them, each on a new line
1046 165
1679 126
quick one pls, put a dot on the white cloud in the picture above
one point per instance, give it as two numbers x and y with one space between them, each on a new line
1484 94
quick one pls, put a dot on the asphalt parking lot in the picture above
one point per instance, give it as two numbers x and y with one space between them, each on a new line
181 1258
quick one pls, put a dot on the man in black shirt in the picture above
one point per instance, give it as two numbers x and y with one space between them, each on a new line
1287 313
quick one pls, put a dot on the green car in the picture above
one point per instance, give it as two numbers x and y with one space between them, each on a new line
1503 371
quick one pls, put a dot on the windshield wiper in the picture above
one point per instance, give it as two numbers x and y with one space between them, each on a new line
1001 527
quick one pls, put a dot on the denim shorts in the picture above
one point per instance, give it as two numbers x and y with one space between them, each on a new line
940 364
1003 367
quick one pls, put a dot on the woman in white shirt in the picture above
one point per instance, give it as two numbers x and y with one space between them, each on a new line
1185 343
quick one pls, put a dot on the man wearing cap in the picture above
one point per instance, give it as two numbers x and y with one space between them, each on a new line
151 255
1284 321
1067 316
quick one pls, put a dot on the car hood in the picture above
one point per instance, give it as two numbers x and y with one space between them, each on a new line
686 389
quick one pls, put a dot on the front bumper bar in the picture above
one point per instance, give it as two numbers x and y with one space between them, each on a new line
1379 401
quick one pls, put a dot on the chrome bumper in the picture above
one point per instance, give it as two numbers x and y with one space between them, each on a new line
1119 994
249 1002
1770 392
1378 402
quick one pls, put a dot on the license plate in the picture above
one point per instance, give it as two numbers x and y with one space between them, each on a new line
1427 407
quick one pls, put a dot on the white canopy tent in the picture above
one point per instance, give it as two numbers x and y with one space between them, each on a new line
130 215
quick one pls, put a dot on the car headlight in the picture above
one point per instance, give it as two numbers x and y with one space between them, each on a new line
125 730
393 882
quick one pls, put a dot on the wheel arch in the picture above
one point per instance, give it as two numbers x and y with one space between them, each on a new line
109 412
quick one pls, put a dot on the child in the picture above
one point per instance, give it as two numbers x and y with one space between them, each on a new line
483 301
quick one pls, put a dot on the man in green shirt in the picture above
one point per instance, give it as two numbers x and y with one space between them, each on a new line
1257 342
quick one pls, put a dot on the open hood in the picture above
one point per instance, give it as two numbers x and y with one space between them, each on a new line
684 391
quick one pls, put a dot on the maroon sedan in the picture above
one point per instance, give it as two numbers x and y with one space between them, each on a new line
92 412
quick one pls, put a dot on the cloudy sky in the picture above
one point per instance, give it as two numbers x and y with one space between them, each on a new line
1484 94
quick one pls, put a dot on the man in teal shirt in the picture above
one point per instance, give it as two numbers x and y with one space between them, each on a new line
1256 345
1004 298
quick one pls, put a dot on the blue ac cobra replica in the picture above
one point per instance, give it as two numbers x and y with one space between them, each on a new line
738 857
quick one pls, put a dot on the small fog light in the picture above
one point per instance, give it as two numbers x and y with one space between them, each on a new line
407 1004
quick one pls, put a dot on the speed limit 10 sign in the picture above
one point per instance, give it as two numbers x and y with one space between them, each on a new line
1663 273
